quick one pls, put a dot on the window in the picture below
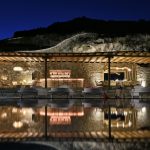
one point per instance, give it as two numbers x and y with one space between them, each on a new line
115 76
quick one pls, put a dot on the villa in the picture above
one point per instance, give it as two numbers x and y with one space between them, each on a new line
58 92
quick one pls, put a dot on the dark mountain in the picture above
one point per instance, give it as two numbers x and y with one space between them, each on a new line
52 35
83 24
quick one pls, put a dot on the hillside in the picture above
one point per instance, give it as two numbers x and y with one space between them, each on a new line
82 34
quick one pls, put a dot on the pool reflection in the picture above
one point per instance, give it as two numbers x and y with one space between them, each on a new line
76 118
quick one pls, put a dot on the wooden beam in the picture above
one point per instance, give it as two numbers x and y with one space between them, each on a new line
98 59
14 58
93 59
104 60
118 59
127 59
114 59
81 59
146 60
87 59
1 58
35 59
75 59
131 59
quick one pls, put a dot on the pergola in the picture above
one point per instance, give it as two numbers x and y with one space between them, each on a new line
140 57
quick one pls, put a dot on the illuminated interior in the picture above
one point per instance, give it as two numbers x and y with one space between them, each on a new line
61 77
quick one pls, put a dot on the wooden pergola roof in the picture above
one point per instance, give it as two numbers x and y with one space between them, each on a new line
116 57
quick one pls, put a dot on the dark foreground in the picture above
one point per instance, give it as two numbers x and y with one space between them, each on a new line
77 145
24 146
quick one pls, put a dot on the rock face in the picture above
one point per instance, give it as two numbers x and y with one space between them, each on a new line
81 42
89 42
83 35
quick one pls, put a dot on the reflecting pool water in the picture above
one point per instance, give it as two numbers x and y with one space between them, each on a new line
76 118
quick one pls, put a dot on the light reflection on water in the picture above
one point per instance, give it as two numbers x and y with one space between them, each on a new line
143 117
93 119
18 119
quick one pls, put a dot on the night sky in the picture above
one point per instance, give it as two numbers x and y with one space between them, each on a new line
28 14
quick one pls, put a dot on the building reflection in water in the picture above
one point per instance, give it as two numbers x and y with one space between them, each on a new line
63 116
143 117
14 119
122 118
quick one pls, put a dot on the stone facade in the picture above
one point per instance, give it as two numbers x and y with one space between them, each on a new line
90 72
143 75
8 76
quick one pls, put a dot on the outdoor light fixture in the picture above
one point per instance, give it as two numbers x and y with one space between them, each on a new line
18 69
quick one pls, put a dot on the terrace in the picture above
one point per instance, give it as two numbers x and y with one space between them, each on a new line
37 103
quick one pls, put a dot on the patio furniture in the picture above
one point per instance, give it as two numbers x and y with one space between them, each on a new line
60 97
28 95
92 96
135 91
143 93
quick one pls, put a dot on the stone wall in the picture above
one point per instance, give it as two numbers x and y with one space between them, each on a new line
143 75
91 72
8 76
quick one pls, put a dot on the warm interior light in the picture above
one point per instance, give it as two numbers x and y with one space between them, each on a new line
18 69
143 109
14 110
17 124
130 123
123 68
143 83
123 125
3 115
79 113
3 77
